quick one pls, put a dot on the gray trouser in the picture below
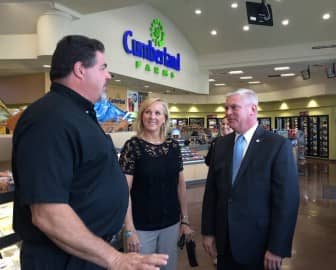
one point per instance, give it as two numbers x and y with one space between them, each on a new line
161 241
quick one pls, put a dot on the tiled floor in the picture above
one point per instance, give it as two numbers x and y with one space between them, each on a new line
315 238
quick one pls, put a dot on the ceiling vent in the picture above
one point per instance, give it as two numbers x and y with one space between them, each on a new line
274 76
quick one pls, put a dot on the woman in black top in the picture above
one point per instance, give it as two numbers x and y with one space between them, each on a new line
157 211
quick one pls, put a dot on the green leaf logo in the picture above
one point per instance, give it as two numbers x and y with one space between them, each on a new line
157 34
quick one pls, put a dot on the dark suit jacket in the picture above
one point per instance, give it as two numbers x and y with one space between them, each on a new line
259 211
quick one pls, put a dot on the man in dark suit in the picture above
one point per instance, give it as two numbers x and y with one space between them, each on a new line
250 206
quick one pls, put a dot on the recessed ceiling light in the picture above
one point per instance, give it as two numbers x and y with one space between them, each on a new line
285 22
212 80
46 66
220 84
146 86
236 72
150 92
246 27
117 80
282 68
287 74
234 5
198 11
213 32
246 77
254 82
326 16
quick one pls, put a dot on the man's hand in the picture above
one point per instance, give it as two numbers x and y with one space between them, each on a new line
136 261
272 261
209 244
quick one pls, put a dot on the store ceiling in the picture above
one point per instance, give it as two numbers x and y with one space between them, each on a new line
306 26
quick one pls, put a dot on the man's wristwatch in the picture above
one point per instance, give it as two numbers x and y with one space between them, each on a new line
185 220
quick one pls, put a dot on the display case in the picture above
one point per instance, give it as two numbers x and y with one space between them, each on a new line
196 121
315 130
212 123
265 122
324 136
287 122
303 125
9 241
313 139
182 121
188 154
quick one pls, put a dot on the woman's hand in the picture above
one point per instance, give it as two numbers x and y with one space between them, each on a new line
133 242
187 231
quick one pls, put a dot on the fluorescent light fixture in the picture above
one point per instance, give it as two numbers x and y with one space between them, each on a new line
211 80
146 86
282 68
213 32
150 92
287 74
246 77
254 82
198 11
234 5
326 16
232 72
46 66
220 84
285 22
117 80
246 27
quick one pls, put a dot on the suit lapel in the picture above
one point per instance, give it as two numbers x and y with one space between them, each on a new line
257 138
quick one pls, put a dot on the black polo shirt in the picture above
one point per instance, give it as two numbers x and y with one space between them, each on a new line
61 155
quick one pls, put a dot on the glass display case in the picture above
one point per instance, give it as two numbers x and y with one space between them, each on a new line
196 121
9 241
212 123
315 130
287 122
265 122
182 121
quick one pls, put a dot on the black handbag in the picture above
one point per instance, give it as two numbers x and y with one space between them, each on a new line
191 249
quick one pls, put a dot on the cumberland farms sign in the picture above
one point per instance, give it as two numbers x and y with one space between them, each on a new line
152 51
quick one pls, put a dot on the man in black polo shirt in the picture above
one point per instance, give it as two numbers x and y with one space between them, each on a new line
70 192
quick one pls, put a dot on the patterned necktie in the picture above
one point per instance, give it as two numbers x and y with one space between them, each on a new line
238 151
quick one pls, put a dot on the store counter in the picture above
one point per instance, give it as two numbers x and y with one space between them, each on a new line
195 172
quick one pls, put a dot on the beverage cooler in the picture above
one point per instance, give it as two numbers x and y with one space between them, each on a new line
196 121
173 122
315 130
265 122
290 122
213 122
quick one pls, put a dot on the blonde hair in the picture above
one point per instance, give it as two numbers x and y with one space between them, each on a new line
138 126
